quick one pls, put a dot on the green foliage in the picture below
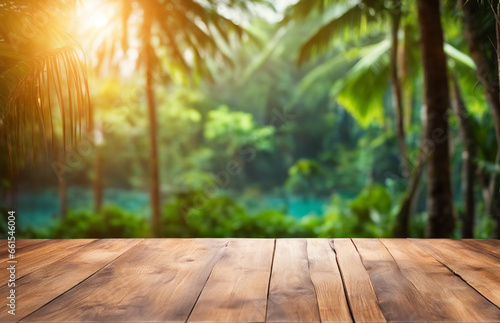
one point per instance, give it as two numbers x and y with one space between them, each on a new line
305 178
368 215
347 19
41 71
337 141
194 214
236 129
111 222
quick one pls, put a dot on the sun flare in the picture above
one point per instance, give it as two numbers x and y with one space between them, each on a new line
99 20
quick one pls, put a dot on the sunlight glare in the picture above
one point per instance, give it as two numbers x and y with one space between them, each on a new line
99 20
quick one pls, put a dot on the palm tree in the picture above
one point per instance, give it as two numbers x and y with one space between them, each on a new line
174 38
374 66
437 102
376 63
41 69
465 127
481 26
358 18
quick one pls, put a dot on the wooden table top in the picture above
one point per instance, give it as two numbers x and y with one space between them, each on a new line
254 280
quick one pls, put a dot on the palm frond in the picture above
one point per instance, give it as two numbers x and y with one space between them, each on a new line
361 90
268 50
458 56
353 21
335 67
58 75
303 8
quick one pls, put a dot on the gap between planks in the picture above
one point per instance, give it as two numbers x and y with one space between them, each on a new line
465 270
349 305
270 274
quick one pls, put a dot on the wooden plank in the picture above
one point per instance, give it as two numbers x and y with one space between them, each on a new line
327 282
21 244
237 288
159 280
445 294
479 270
292 297
398 298
44 285
490 246
34 257
361 295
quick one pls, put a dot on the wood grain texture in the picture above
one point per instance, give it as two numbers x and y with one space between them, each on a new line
479 270
361 295
159 280
327 282
489 246
398 297
446 295
292 297
36 256
44 285
21 245
238 285
256 280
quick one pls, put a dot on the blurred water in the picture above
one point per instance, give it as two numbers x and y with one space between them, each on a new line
39 209
296 206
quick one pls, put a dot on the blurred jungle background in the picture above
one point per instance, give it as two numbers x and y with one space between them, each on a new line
234 118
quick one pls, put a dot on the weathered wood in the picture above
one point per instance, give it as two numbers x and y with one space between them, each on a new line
327 282
361 295
44 285
292 297
479 270
159 280
238 285
445 294
32 258
398 298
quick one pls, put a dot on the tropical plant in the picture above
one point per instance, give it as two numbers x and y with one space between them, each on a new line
172 39
481 27
41 68
375 61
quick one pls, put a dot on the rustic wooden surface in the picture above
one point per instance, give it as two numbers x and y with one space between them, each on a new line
254 280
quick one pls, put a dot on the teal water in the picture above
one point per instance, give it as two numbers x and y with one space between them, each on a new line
40 209
295 206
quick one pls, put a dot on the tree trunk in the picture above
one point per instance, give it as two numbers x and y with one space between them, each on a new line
487 72
495 192
153 136
441 221
98 179
397 97
63 200
403 217
468 164
406 209
11 193
486 69
94 130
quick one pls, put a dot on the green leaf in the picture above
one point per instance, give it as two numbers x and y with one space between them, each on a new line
459 56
